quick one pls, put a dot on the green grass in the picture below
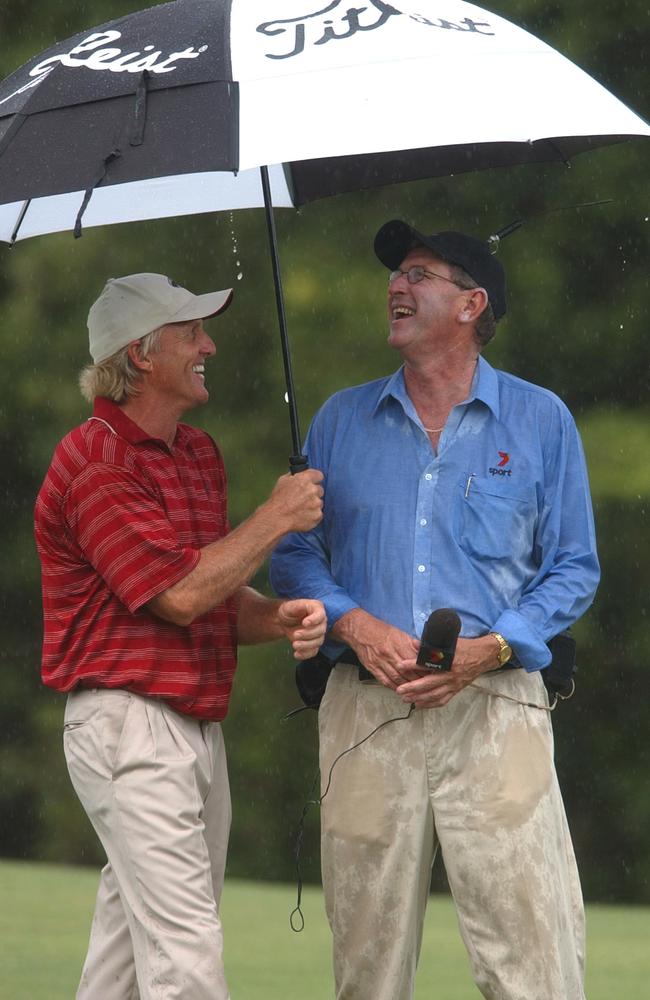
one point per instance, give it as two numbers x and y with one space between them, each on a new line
45 917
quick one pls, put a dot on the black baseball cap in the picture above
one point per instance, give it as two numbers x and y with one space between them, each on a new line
396 238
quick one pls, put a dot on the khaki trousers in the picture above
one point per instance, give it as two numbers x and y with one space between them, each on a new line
476 778
155 787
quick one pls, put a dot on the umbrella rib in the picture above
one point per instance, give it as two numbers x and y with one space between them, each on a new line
20 220
556 147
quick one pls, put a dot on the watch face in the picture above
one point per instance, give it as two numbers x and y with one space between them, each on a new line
505 651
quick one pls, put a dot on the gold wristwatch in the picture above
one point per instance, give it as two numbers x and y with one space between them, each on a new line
505 649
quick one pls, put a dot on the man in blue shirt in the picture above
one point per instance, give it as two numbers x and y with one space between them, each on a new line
447 484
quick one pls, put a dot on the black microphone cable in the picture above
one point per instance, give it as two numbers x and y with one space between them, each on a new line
296 917
438 645
557 697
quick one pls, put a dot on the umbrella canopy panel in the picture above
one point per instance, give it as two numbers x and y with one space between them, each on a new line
159 198
330 79
73 148
171 110
122 102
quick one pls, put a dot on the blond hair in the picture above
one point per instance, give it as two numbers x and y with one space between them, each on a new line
117 378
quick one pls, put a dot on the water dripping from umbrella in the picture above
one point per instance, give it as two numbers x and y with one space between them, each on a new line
235 246
240 274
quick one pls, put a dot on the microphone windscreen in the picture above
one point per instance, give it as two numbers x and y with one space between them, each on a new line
439 637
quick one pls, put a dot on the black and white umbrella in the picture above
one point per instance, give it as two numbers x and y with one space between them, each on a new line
204 105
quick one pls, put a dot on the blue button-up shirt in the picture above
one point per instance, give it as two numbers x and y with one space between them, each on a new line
497 524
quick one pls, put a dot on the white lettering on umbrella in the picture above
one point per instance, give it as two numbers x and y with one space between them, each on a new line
89 53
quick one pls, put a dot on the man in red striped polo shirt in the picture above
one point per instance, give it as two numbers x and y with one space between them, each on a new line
145 597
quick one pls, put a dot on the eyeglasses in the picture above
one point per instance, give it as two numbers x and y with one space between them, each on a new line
416 274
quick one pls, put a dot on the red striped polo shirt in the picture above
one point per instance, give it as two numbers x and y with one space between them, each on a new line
121 517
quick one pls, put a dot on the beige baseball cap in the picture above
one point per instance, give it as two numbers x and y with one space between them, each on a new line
131 307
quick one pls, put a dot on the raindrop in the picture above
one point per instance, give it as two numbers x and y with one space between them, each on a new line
286 397
235 246
233 236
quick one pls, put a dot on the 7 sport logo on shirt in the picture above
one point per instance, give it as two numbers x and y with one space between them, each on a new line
500 469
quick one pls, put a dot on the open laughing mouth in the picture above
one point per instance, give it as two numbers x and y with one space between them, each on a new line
401 312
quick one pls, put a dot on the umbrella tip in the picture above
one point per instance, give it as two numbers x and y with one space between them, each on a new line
494 240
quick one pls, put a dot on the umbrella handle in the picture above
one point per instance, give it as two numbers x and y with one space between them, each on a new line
297 461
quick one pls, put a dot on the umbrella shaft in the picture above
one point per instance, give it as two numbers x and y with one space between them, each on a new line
297 460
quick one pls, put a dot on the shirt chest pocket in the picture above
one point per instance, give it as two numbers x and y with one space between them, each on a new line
495 518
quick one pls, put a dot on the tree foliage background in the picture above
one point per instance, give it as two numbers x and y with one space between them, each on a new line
577 323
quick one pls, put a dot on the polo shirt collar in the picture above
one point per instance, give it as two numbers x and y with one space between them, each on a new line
485 388
106 409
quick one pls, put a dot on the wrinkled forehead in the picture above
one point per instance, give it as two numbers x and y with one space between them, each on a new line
185 329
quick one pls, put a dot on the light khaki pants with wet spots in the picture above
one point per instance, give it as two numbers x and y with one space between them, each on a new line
476 778
155 787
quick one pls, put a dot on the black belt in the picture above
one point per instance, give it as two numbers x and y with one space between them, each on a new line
349 656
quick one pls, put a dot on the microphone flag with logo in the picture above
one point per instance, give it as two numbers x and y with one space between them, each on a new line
438 642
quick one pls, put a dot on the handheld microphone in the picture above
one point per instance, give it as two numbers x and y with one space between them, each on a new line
438 642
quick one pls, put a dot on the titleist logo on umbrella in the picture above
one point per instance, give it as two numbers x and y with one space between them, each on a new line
96 52
319 27
334 22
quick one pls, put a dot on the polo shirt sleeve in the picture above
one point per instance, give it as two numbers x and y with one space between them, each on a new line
121 528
